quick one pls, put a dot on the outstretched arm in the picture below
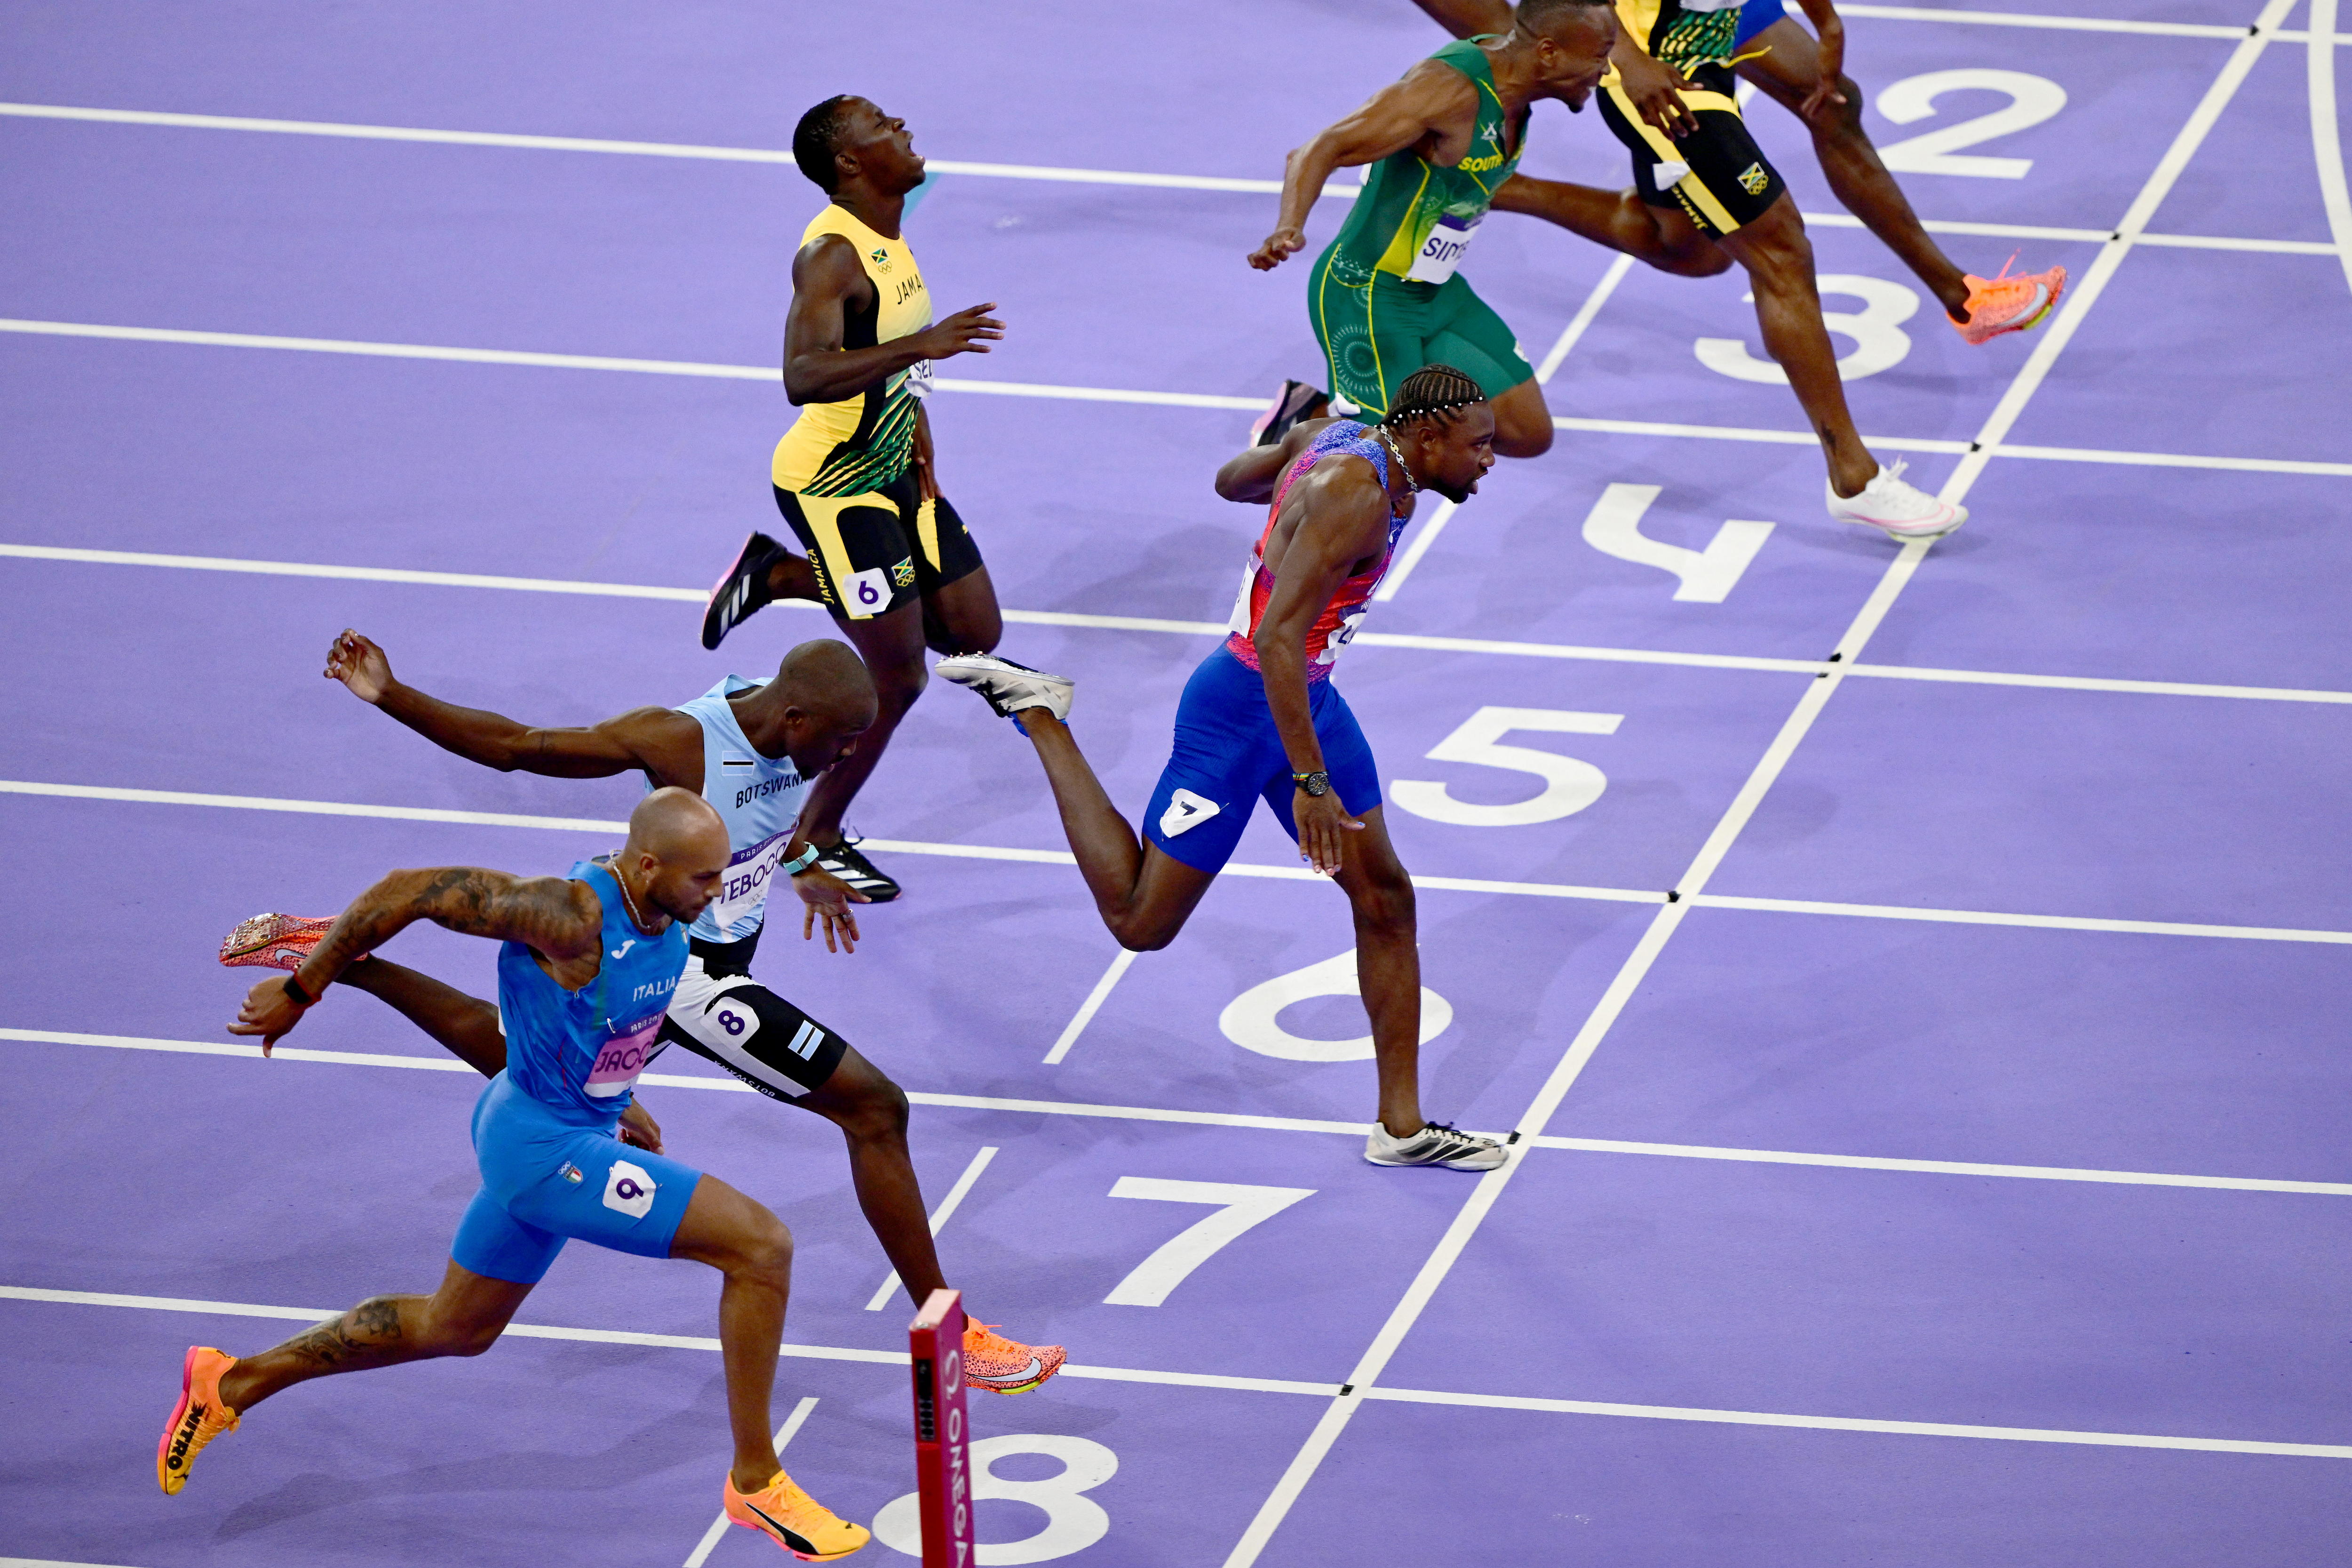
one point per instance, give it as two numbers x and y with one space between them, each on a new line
562 919
1429 98
1345 519
1469 18
663 743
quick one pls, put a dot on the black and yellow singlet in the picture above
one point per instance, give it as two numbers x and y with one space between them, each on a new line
862 443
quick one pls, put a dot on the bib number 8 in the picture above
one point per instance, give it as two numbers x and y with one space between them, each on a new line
1074 1520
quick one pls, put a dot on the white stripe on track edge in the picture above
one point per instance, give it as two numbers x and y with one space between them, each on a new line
1637 966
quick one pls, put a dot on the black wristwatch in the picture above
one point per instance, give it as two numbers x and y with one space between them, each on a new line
1316 782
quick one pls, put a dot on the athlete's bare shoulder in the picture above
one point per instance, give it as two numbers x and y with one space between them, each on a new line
828 265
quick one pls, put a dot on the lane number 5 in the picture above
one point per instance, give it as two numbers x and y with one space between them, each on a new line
1570 785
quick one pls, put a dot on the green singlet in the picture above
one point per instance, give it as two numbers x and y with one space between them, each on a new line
1384 298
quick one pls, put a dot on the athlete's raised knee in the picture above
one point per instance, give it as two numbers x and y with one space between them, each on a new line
440 1334
1140 934
871 1107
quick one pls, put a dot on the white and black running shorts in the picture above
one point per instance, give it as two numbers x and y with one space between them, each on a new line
751 1031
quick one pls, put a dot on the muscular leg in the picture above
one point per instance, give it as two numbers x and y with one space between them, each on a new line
465 1317
871 1113
753 1253
962 616
892 647
466 1026
1861 182
1622 220
1780 262
1523 426
1388 968
1143 895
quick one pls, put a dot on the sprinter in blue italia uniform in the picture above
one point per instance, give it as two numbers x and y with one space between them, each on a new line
587 972
751 749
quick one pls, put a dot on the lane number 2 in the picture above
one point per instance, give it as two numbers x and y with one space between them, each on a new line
2032 100
1570 785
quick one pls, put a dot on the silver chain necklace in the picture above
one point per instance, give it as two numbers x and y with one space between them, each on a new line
1394 451
623 883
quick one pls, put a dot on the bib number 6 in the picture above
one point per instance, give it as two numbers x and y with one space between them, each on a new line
1570 785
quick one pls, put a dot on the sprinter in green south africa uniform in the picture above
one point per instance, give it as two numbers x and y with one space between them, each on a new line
1385 298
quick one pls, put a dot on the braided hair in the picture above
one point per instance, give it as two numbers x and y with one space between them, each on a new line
1432 392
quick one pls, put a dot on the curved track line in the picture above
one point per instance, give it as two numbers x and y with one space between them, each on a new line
2326 133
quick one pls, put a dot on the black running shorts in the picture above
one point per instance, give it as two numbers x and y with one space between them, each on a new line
875 551
723 1014
1728 182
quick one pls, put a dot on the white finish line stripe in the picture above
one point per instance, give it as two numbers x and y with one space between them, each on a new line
1198 628
1988 918
532 358
1851 1423
248 1051
43 1296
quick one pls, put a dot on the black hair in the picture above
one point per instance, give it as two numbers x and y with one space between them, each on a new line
817 138
1432 392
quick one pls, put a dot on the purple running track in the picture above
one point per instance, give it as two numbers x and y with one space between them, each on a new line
1926 1065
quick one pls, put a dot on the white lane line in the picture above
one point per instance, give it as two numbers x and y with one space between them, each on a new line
1941 1167
884 845
650 1341
586 362
1111 395
631 149
1089 1007
1991 918
718 1083
793 1423
1993 230
1851 1423
2026 19
2228 242
1204 628
940 1216
1743 433
1254 1123
1281 873
2097 683
1473 1214
1574 331
1263 1384
2326 134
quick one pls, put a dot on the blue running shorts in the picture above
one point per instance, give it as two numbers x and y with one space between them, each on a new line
1227 752
1754 17
546 1179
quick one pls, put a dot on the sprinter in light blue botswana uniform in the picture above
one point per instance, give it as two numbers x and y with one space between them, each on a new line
588 968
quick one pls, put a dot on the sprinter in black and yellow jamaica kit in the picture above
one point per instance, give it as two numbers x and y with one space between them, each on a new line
885 552
1705 196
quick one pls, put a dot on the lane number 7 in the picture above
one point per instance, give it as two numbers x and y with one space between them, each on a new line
1240 1207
